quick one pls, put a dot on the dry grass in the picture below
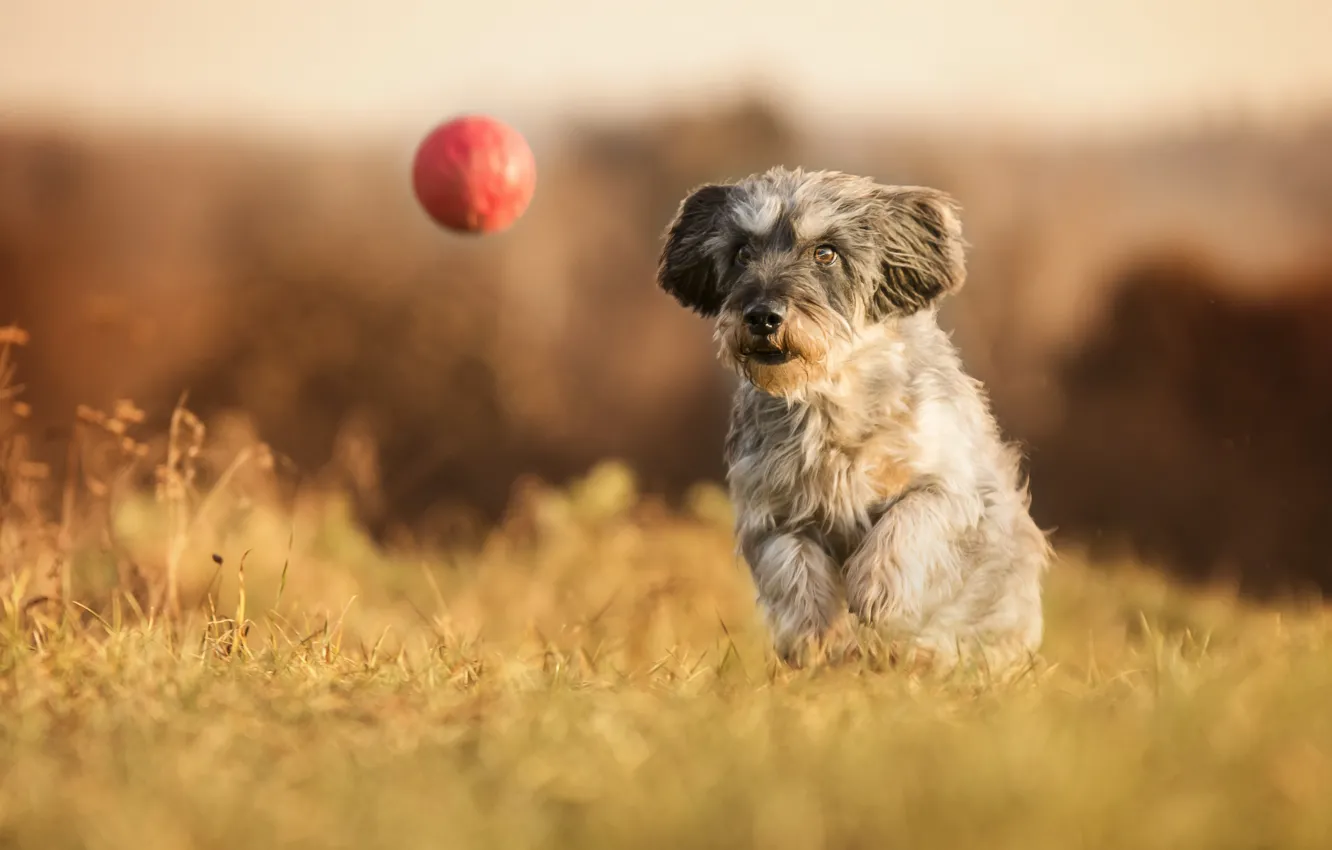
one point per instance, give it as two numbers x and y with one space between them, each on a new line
593 675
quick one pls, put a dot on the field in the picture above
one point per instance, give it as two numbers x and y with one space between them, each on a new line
223 660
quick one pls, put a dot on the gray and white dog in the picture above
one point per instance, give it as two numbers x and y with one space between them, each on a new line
865 466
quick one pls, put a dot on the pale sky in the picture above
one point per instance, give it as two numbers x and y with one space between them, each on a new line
364 66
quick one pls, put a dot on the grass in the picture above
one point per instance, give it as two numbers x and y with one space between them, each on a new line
594 675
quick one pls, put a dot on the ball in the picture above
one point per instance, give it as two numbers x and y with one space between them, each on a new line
474 174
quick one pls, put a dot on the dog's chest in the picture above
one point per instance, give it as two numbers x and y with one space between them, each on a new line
806 467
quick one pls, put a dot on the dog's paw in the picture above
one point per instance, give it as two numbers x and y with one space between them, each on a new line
795 653
838 644
918 658
796 649
869 595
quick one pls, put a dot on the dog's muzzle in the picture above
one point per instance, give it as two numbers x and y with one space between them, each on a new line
763 324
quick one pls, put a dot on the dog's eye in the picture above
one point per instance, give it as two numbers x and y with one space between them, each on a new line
824 255
743 255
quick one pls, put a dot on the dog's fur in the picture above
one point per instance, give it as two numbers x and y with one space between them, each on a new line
866 468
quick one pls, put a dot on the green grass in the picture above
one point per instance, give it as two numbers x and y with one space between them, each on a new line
595 675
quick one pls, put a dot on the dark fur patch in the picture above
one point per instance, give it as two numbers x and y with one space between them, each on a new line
685 270
920 266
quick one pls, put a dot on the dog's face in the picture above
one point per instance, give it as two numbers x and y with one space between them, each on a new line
795 265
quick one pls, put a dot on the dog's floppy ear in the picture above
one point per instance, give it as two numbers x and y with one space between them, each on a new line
923 253
685 269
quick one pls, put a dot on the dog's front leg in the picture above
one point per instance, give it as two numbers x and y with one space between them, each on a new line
798 589
911 558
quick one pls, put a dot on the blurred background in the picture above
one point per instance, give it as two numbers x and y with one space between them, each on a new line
215 198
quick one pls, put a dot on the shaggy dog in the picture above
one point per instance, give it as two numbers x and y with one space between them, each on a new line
865 466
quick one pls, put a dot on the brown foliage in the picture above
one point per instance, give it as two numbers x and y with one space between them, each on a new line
1197 425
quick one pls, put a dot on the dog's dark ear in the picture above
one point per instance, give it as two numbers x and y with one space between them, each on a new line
685 269
923 252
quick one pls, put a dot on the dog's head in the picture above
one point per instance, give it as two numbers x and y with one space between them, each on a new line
796 265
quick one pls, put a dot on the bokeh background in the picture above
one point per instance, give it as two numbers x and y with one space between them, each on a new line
214 198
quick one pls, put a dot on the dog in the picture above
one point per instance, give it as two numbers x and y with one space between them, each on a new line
868 474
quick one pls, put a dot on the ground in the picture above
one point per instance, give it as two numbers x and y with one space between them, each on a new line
595 675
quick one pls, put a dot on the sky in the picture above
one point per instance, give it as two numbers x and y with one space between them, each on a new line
363 67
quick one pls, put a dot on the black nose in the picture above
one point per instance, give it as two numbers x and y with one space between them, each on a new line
764 319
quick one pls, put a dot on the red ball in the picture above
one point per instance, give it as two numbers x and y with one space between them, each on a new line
474 174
